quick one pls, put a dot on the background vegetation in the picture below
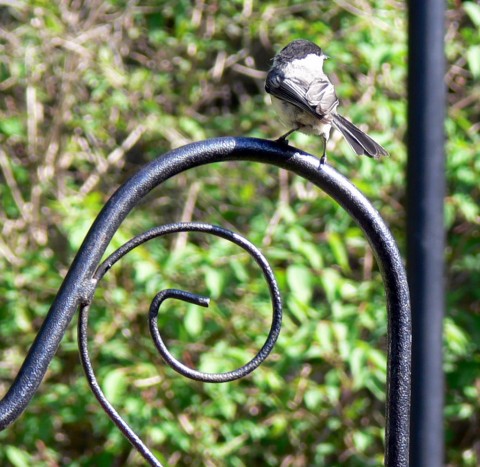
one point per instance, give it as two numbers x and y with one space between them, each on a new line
92 90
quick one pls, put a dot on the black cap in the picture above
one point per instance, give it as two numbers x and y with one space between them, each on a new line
298 49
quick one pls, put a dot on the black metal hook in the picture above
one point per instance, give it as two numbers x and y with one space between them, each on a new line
79 284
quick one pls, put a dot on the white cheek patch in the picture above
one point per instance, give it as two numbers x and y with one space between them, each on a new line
311 65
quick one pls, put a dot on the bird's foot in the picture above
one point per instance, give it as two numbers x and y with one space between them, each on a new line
282 140
323 159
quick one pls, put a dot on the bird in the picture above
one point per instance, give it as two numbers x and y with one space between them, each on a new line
305 98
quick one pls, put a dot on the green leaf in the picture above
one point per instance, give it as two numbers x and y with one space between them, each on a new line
215 281
473 59
194 320
361 440
473 11
357 366
456 339
312 253
300 281
324 336
114 385
17 457
331 280
12 126
337 244
313 398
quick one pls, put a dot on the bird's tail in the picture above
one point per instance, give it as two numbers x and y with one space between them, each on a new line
360 142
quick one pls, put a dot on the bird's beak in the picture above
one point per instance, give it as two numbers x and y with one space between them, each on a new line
326 57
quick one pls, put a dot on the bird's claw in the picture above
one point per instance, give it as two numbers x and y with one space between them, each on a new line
282 140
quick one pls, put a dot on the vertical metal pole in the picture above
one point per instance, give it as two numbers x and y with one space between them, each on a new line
425 229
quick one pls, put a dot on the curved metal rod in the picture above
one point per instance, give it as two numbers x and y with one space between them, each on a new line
163 295
123 426
78 286
233 237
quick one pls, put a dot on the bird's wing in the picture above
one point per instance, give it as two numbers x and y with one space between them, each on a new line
321 95
316 97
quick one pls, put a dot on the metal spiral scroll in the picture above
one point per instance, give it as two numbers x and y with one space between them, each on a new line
79 285
160 297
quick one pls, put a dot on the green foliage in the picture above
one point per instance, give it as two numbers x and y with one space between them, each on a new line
93 90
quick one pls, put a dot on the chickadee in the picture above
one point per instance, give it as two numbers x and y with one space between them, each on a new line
305 98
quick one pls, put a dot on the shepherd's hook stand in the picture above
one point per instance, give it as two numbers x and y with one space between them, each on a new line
82 279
